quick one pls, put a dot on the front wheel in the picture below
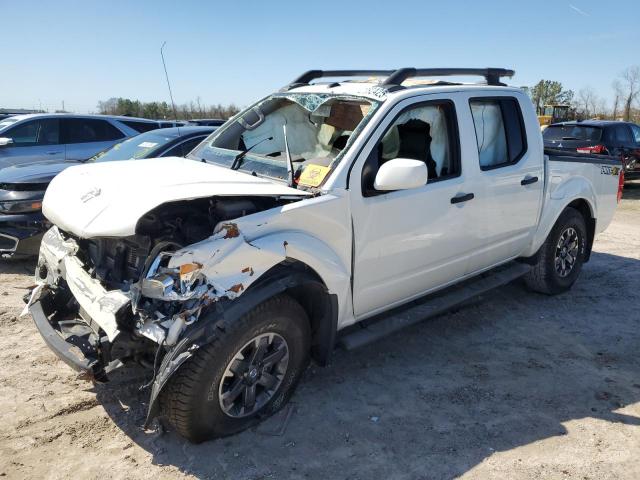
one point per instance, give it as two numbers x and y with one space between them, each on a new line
248 373
561 256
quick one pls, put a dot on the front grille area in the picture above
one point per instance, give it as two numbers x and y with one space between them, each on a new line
24 187
116 262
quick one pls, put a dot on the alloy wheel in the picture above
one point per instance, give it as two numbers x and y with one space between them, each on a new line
567 252
253 375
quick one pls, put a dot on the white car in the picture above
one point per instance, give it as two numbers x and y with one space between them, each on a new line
326 213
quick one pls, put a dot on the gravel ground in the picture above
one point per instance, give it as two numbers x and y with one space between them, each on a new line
514 385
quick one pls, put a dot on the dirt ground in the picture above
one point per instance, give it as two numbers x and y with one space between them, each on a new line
514 385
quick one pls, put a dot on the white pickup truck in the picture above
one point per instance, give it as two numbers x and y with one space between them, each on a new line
328 213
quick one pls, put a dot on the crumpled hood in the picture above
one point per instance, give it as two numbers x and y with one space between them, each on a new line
107 199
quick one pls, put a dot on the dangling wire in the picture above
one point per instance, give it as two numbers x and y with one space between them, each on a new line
155 367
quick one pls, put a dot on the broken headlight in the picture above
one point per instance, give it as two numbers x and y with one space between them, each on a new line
172 283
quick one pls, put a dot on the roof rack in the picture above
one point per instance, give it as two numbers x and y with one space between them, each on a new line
394 78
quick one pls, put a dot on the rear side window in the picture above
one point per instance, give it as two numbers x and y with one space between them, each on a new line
635 129
35 132
499 131
85 130
572 132
621 135
141 126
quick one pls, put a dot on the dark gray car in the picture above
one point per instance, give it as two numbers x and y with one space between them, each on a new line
22 186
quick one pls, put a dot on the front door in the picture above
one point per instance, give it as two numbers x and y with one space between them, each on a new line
409 242
32 140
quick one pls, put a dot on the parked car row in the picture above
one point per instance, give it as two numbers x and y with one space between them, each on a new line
35 148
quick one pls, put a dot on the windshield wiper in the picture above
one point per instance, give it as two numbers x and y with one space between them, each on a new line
289 162
238 160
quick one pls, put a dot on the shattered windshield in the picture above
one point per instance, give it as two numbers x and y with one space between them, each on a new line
319 128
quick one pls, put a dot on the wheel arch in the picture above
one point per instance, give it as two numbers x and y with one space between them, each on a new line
583 205
291 277
586 210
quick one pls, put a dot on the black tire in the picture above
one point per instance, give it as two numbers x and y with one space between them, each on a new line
544 277
190 402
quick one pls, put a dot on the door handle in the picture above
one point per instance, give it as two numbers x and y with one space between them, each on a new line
462 198
529 180
52 153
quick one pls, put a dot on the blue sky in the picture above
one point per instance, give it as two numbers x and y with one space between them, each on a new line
237 51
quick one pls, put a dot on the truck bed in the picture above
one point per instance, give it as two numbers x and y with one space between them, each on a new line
556 155
572 175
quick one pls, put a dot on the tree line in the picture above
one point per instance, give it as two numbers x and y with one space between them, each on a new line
586 103
164 111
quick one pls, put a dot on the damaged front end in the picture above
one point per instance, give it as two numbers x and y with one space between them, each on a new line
102 303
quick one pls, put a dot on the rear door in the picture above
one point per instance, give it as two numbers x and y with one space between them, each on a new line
84 137
507 180
33 140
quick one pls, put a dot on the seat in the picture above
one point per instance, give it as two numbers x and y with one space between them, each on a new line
415 143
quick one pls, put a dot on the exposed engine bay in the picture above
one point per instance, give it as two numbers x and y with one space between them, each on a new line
127 288
119 262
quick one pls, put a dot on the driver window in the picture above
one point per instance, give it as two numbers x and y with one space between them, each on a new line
35 132
424 132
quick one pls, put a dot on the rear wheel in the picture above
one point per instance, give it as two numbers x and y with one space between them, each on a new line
561 256
248 373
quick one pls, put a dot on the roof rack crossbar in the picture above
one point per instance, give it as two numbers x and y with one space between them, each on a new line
310 75
492 75
394 78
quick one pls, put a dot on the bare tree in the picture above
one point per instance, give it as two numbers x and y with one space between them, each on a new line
630 79
618 94
587 102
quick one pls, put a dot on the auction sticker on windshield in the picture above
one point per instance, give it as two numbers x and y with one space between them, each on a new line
313 175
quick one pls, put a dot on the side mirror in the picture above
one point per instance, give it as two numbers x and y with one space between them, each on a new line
4 141
401 174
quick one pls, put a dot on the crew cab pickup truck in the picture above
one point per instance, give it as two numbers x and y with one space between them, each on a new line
328 213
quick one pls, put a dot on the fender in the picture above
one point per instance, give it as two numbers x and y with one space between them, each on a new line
232 262
227 311
559 195
317 255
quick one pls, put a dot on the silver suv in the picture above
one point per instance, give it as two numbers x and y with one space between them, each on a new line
63 136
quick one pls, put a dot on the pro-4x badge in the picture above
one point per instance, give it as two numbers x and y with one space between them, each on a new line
93 193
607 170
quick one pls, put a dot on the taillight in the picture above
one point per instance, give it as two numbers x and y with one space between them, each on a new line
621 181
597 149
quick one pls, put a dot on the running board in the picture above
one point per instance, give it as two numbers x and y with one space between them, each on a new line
375 328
